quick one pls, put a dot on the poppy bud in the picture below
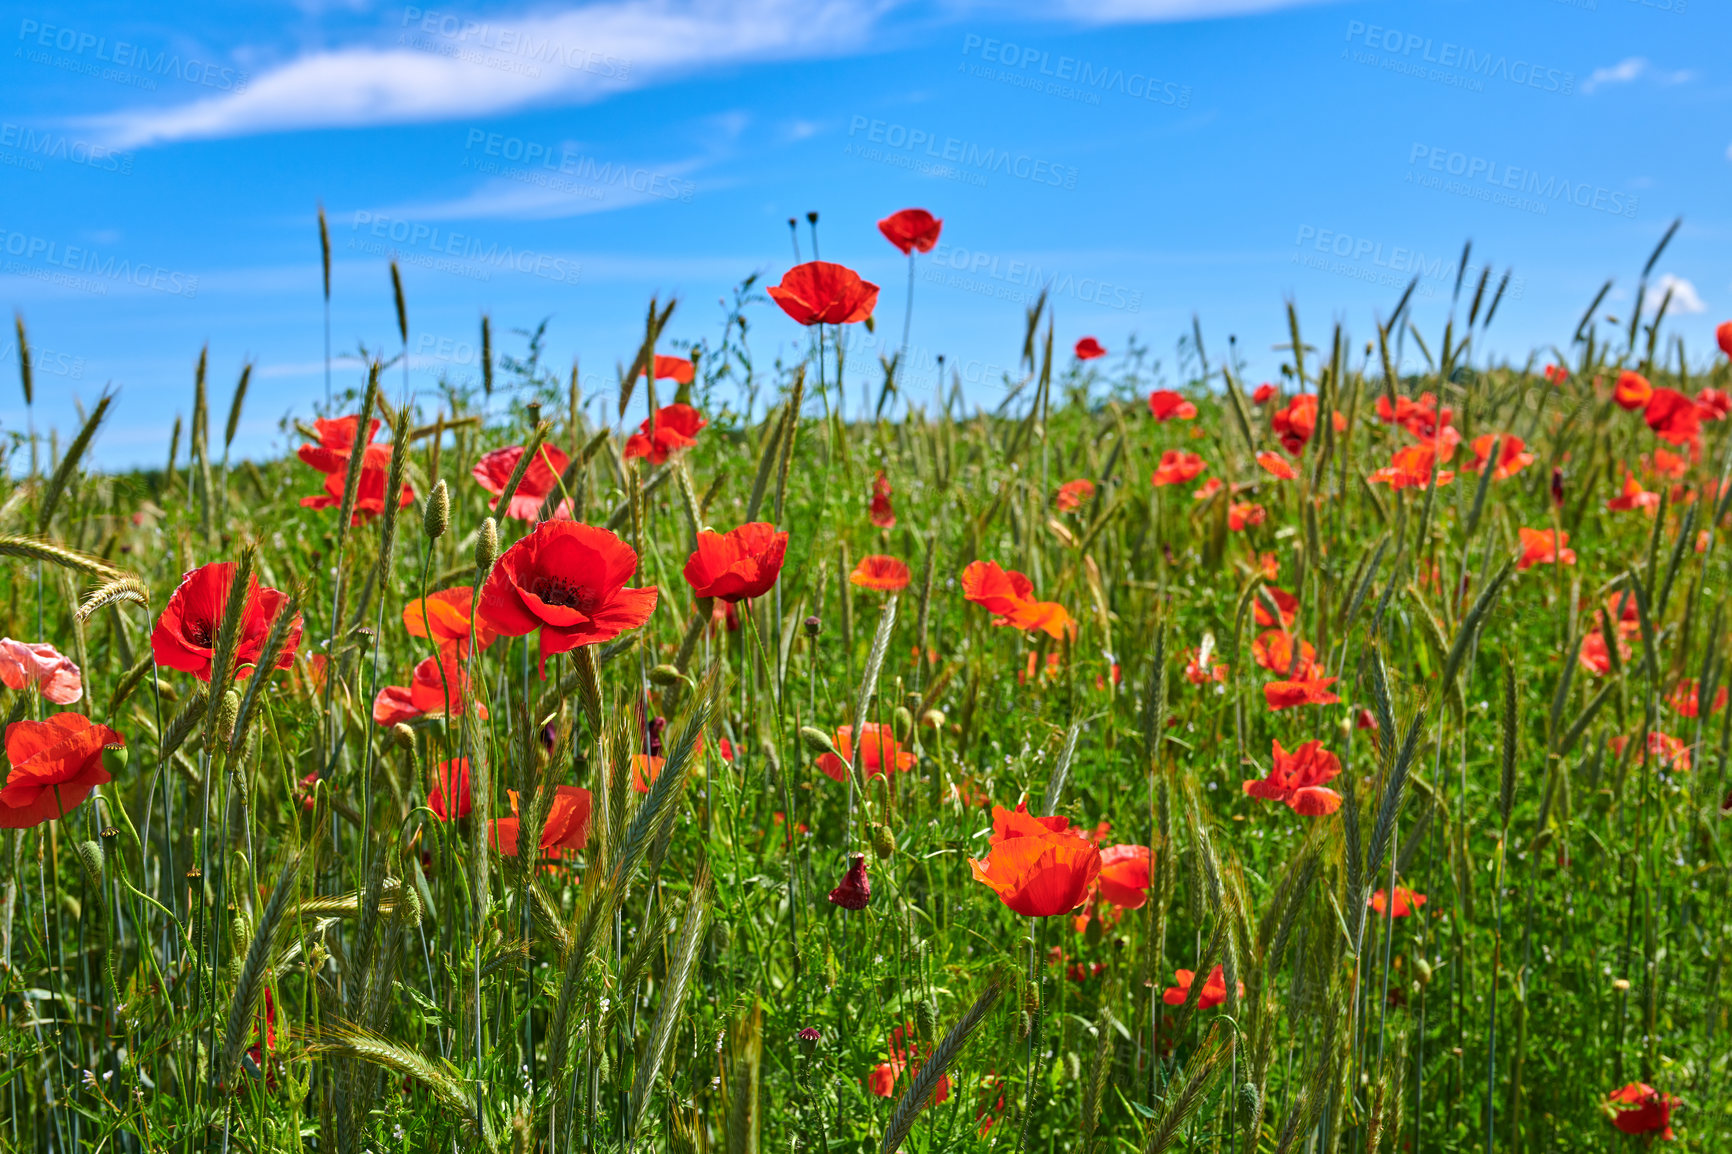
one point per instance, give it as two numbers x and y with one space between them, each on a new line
436 517
813 625
1558 488
817 742
925 1021
856 888
226 714
1423 969
403 735
114 758
1249 1101
487 545
90 854
883 842
902 723
665 675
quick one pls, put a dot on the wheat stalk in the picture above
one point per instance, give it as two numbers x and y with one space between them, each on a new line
919 1090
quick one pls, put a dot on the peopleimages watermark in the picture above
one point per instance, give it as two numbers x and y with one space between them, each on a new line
119 61
1387 265
1021 281
903 146
1445 62
84 268
562 169
1066 77
45 360
501 46
28 148
1508 185
460 254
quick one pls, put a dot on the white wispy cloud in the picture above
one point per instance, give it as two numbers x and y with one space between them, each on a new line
1685 299
1631 69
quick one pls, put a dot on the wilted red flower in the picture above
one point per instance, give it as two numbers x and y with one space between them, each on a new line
539 481
566 828
42 667
1314 690
567 580
679 370
737 565
1088 349
1214 989
1632 391
1634 496
445 618
1639 1108
1407 902
1285 603
1713 405
1243 513
450 784
1410 467
881 514
878 749
1544 547
1166 405
1512 455
1277 466
676 427
821 293
1010 596
1176 467
911 230
1124 877
1364 720
878 572
54 766
186 632
1685 698
855 890
1297 780
438 688
1036 870
1673 417
1072 494
1264 393
1295 423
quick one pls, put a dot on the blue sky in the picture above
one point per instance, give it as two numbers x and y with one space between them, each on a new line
1149 158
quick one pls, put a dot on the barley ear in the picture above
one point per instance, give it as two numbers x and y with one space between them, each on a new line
255 970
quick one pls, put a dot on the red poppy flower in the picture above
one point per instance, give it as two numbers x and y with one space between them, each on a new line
1673 417
1512 455
1014 823
450 784
1421 417
880 513
1277 466
369 494
1407 902
566 828
1264 393
904 1058
854 892
1297 780
1176 467
1285 603
1088 349
1632 391
737 565
1410 467
1670 752
1557 374
331 457
646 767
1639 1108
41 667
1634 496
54 766
1040 873
186 632
1665 464
878 749
1282 654
1010 596
1713 405
1723 337
1596 656
1684 698
539 481
1295 423
438 688
1124 878
821 293
1207 489
1166 405
1214 989
679 370
676 427
911 230
1279 695
445 619
1072 494
1243 513
567 580
1545 547
880 573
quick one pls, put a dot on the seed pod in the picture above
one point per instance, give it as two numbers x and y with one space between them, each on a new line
813 625
114 758
436 518
487 545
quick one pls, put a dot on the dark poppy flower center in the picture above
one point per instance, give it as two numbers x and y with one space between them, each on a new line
199 633
560 591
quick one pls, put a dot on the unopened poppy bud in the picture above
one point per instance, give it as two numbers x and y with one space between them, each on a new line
1249 1101
487 545
932 719
816 740
665 675
925 1021
114 758
226 714
813 625
90 854
436 518
403 735
856 888
1423 969
883 842
902 723
1558 488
